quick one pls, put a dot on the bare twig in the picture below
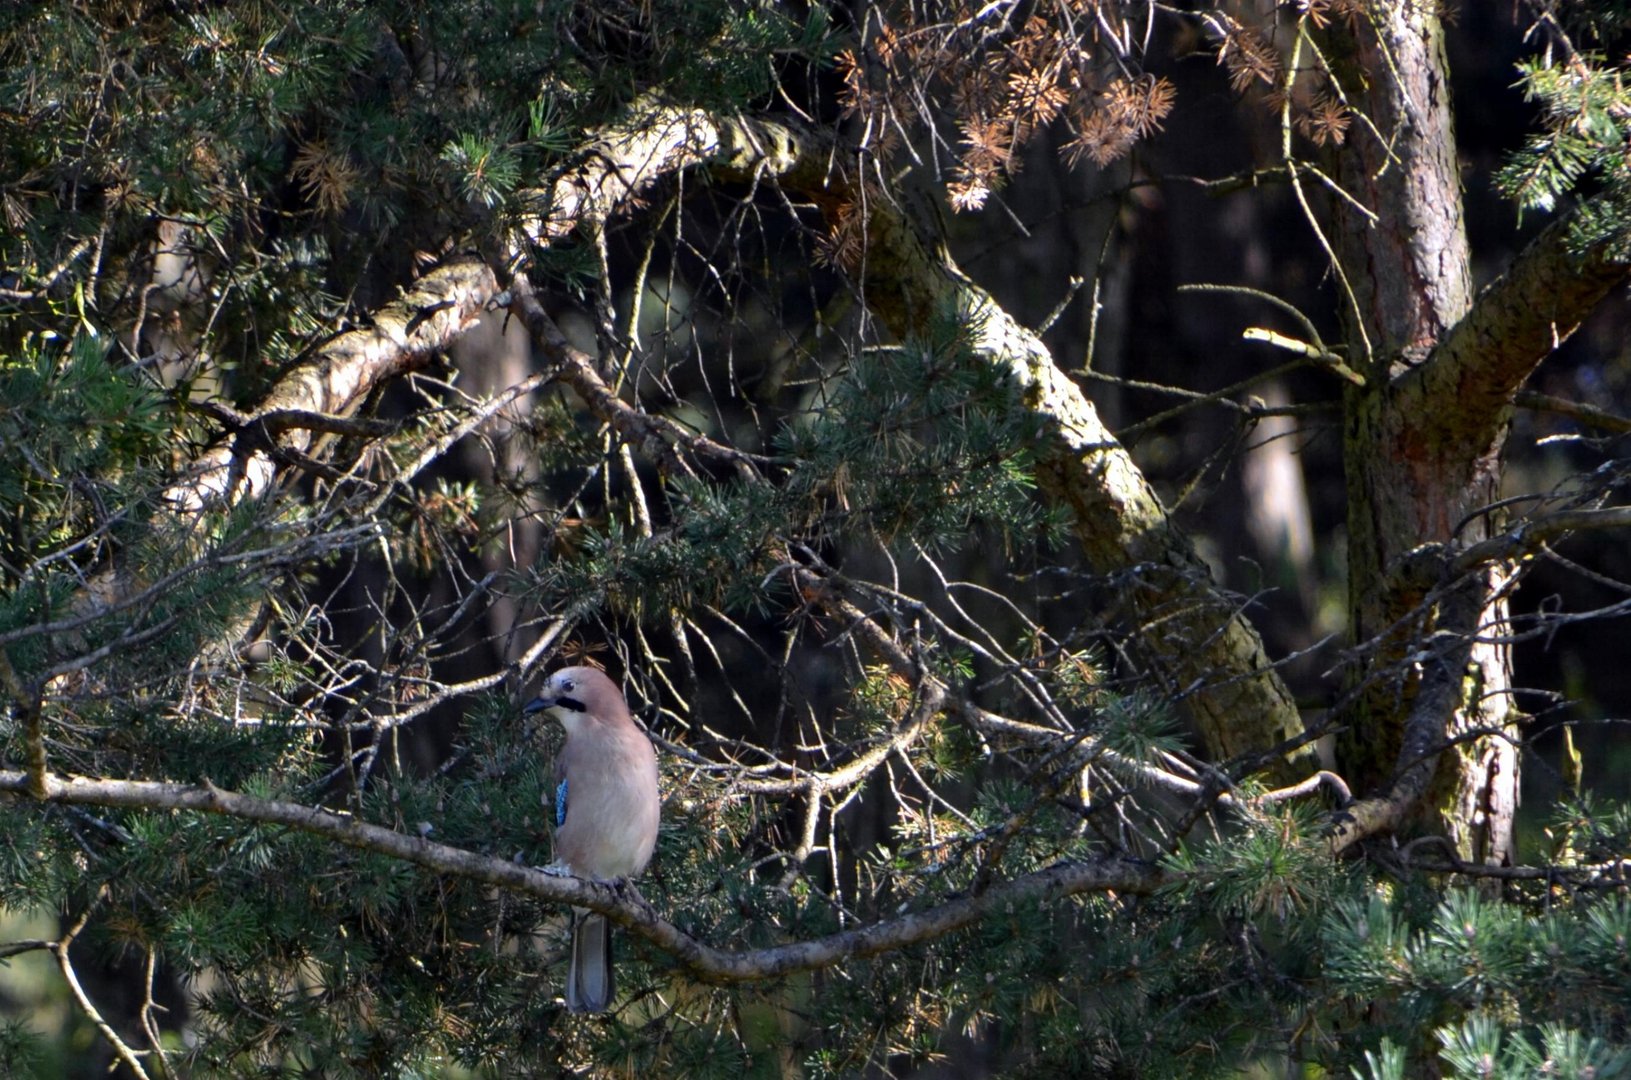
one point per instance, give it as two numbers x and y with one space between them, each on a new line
655 436
1574 410
60 949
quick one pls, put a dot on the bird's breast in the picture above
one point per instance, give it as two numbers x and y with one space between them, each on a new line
612 807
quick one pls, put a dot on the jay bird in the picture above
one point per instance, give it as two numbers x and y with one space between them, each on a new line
606 808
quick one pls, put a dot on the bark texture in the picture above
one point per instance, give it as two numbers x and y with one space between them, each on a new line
430 315
1193 635
1424 436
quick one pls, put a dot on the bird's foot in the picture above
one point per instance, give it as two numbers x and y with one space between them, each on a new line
625 889
555 869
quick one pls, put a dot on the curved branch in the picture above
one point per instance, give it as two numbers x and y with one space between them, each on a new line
1517 321
59 949
1204 648
434 312
617 901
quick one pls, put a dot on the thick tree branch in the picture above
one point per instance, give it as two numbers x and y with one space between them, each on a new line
1515 323
617 902
657 140
321 392
428 317
1444 659
314 398
1195 637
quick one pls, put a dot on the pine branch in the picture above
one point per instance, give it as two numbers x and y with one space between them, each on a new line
1205 648
49 279
275 422
655 140
59 949
617 901
428 318
1517 321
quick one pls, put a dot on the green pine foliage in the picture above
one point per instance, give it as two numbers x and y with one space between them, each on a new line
1579 147
304 158
1505 991
870 460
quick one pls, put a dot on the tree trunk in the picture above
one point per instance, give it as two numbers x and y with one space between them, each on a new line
1422 457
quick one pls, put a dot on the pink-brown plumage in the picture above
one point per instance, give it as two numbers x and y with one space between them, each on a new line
611 773
611 808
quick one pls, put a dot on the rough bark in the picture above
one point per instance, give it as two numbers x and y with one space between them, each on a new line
429 317
1424 435
1193 635
1411 480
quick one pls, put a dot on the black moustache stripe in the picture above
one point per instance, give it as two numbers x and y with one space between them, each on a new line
571 703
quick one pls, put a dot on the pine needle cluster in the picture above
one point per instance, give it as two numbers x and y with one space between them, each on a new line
881 688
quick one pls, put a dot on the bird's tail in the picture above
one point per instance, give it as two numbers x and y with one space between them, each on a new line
589 984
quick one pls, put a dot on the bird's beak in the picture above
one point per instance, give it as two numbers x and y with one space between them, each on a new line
544 704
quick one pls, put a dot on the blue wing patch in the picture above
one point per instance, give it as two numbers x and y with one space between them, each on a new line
560 805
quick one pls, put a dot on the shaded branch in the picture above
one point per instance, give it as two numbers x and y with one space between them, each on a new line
1205 650
433 313
276 421
1078 748
1537 532
18 948
1444 659
26 700
655 436
1613 873
59 949
617 901
1422 567
1574 410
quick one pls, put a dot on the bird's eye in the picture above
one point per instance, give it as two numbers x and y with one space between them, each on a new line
568 685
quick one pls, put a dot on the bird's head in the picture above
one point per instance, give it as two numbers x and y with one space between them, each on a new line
576 694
